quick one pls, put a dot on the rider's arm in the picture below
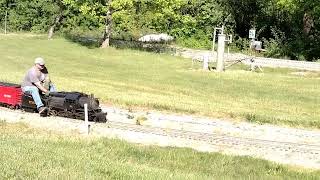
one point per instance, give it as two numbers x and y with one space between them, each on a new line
36 80
38 84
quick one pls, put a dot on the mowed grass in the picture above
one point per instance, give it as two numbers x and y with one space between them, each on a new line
28 153
132 79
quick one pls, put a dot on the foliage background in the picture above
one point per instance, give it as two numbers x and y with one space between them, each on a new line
288 28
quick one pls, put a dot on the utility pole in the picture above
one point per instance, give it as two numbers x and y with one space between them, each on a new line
222 39
220 52
214 37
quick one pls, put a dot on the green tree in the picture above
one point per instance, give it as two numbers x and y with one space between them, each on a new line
32 15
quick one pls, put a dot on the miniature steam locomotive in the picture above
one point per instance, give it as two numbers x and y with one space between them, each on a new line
64 104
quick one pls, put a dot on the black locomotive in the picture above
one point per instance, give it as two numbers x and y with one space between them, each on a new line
67 104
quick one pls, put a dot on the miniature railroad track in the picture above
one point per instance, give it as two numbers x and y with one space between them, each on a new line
295 153
222 139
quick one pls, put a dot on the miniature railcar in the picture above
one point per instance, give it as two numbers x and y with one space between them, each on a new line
64 104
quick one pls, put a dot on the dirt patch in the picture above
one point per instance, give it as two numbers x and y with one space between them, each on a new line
185 123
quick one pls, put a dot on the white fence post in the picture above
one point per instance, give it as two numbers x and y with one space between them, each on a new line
86 120
205 62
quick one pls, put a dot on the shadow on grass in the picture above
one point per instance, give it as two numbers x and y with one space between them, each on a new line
94 41
88 41
142 46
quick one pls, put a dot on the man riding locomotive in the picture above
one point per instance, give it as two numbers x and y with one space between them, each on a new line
37 80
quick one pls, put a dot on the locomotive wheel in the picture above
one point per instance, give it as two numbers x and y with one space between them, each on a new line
44 113
53 113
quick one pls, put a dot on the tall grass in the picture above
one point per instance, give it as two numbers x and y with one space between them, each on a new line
131 78
28 153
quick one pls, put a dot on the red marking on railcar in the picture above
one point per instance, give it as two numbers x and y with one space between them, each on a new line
10 94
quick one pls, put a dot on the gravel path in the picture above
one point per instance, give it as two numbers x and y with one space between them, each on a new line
280 144
260 61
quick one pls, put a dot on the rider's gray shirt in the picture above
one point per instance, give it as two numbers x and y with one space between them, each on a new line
33 76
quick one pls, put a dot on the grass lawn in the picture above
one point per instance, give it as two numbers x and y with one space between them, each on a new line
28 153
131 78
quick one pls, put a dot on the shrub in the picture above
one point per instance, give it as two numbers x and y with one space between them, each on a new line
199 40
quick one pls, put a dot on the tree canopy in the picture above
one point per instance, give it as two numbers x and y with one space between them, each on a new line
287 27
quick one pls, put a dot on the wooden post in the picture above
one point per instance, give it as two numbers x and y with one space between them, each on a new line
214 41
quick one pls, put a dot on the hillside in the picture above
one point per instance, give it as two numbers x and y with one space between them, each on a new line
134 79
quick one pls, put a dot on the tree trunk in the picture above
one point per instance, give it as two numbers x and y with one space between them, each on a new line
56 21
308 23
107 32
5 22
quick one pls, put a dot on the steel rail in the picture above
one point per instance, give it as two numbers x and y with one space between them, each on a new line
220 139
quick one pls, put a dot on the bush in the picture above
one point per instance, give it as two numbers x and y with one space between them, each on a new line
277 47
199 40
240 43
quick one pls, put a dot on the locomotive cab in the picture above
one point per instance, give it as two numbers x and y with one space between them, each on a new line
29 105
